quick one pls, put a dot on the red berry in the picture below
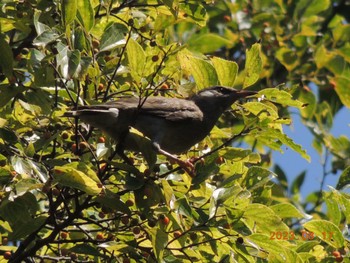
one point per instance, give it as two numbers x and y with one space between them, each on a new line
227 18
99 236
7 255
101 87
64 235
101 140
336 253
74 148
165 220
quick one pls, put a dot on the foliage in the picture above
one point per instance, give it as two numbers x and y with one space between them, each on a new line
66 196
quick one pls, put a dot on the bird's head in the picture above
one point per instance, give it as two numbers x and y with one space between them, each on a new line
219 97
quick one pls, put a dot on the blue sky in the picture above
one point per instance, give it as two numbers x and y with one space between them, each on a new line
293 164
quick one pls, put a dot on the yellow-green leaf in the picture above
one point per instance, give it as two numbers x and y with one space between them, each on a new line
226 71
202 71
136 57
326 231
86 14
69 11
71 177
253 65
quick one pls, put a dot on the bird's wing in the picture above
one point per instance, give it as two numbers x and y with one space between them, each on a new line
171 109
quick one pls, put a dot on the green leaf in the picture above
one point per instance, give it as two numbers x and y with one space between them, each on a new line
226 71
85 14
282 97
297 183
342 88
253 65
278 252
333 202
6 58
287 210
287 57
257 177
327 232
137 58
308 98
9 92
344 178
159 242
113 36
315 7
263 219
202 71
69 11
267 114
273 138
194 12
207 43
73 62
26 228
68 176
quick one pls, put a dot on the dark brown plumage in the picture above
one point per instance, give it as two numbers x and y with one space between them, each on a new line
173 125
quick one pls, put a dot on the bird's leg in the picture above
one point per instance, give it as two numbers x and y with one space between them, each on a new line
186 165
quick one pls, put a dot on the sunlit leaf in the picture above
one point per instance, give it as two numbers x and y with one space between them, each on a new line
71 177
253 65
326 231
69 11
86 14
226 71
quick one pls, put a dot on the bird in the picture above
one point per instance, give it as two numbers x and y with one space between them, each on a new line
172 125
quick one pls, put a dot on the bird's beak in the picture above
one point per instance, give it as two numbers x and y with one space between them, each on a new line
245 93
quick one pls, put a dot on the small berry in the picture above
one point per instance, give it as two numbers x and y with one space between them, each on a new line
95 43
101 215
136 230
339 259
153 43
99 236
336 253
152 223
100 87
177 234
7 255
65 135
101 140
165 220
74 148
155 58
64 235
129 202
83 145
164 86
227 18
125 220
